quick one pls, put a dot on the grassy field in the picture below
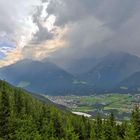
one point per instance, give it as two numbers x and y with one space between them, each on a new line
121 104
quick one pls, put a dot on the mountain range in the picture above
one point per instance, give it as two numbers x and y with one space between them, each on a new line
112 70
116 72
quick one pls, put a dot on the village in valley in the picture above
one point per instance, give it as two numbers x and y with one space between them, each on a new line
120 104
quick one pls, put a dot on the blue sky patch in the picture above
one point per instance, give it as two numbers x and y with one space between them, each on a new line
5 48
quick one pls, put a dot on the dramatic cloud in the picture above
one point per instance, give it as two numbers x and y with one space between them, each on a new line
24 25
65 30
16 27
42 34
96 27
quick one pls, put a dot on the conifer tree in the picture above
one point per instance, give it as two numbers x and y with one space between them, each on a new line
130 133
18 102
135 120
110 131
4 115
98 127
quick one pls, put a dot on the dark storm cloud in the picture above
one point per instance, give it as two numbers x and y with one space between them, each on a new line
44 1
110 11
42 34
97 27
94 27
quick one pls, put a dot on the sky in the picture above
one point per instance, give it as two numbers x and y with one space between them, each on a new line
67 30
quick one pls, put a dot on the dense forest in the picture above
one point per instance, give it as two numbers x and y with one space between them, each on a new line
23 117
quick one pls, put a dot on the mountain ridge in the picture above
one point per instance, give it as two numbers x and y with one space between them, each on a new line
48 78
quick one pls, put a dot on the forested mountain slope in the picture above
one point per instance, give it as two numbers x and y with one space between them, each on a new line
23 117
38 77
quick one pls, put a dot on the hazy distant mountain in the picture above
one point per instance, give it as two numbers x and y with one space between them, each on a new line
46 77
35 76
129 85
112 69
81 66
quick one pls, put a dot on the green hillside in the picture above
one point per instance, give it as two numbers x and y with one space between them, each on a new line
23 117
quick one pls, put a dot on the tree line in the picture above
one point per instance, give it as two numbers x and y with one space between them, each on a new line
23 117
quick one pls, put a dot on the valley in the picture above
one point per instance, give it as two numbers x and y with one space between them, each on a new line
120 104
69 70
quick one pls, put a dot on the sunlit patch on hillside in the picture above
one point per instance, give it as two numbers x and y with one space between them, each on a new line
23 84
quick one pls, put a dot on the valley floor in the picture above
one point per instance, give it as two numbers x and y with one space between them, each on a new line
120 104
